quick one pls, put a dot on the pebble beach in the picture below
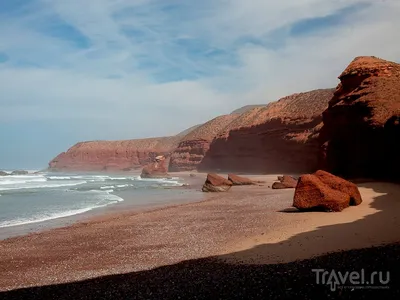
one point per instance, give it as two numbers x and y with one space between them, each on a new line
248 229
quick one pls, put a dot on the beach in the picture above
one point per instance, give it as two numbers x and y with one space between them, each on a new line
249 227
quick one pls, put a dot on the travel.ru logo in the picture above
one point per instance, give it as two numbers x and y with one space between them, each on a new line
355 279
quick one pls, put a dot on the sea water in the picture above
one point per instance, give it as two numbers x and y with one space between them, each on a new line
43 196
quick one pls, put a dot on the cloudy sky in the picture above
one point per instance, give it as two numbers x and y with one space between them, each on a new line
73 70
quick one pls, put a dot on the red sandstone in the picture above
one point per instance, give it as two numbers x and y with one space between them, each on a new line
216 183
323 190
362 122
194 146
311 193
239 180
279 137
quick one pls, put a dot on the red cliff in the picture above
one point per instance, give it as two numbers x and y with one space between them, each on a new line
277 138
194 146
113 155
362 123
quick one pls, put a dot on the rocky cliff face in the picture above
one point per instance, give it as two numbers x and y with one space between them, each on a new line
194 146
113 155
278 138
361 132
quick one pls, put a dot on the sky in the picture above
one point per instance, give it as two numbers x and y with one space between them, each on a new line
123 69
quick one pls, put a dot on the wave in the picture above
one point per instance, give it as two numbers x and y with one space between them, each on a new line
123 185
60 177
172 184
7 182
110 198
48 217
41 186
22 178
107 187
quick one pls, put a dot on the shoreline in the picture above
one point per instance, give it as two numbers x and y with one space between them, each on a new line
116 208
247 225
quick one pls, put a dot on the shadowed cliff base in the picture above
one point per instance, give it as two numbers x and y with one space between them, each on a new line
247 275
278 138
265 149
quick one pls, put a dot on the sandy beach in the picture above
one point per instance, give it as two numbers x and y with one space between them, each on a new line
249 227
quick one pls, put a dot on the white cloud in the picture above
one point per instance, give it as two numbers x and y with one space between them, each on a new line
72 83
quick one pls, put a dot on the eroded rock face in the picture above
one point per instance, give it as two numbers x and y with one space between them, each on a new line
312 194
280 137
195 144
216 183
340 184
361 126
156 169
239 180
113 155
324 191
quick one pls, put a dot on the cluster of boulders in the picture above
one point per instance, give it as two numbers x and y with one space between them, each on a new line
285 182
324 191
216 183
318 191
16 172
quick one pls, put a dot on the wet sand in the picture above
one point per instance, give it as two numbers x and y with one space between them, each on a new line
248 225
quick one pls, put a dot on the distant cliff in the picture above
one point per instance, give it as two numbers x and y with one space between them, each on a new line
279 137
113 155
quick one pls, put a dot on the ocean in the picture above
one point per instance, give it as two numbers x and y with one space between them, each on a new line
40 197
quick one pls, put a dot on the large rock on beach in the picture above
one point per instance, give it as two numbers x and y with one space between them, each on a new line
238 180
312 194
216 183
2 173
340 184
157 169
324 191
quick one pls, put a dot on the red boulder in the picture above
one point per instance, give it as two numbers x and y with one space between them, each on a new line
216 183
311 194
238 180
341 185
325 191
286 182
157 169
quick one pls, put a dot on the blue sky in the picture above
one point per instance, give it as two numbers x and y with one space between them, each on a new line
120 69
